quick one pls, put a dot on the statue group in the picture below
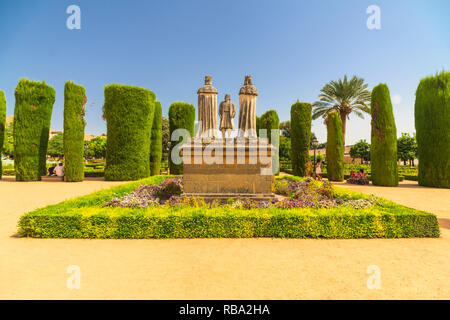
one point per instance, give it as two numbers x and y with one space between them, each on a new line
207 111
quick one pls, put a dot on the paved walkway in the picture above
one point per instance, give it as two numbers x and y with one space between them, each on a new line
218 268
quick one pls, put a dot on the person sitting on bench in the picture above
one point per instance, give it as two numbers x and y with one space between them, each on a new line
51 170
59 170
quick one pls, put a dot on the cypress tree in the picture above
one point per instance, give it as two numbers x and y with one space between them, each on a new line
270 121
432 118
383 149
2 125
301 115
74 124
156 141
181 116
129 114
32 117
335 147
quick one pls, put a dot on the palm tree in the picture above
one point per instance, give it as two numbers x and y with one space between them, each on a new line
345 97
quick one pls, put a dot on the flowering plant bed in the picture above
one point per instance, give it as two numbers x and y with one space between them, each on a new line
155 208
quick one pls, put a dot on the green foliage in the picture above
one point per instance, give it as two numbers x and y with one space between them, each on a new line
181 116
156 141
407 148
300 136
74 124
129 116
432 117
383 151
96 148
2 125
56 146
258 125
344 96
8 144
32 116
335 147
361 149
270 121
285 149
285 129
165 139
84 217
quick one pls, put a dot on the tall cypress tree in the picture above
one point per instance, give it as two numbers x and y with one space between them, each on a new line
156 141
74 124
383 149
335 147
270 121
2 125
301 115
432 117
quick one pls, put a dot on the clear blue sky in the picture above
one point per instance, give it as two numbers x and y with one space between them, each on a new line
291 48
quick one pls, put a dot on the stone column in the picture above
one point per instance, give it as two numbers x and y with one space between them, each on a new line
247 109
207 110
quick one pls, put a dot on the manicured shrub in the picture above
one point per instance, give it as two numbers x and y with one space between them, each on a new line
32 116
156 141
181 116
258 125
74 123
383 148
129 117
335 147
301 115
432 117
270 121
2 125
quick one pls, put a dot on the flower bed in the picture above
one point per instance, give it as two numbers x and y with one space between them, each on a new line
155 208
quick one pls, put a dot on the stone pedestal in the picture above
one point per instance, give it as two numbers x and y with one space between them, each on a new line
228 169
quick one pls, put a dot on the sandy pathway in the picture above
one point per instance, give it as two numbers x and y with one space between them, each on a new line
219 268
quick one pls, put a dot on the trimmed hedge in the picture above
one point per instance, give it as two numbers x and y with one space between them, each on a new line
383 148
32 116
335 147
269 120
129 118
181 116
2 125
432 119
84 217
156 141
301 116
74 124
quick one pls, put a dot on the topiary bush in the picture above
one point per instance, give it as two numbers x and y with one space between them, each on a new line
383 148
181 116
301 115
432 118
269 121
156 141
74 124
2 125
129 114
335 147
32 116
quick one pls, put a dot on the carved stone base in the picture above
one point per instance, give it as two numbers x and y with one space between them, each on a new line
245 171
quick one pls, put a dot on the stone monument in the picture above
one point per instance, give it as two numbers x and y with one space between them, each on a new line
207 110
227 113
247 109
220 169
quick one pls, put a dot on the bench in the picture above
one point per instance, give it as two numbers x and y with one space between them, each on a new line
52 178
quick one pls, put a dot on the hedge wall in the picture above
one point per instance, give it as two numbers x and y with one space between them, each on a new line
129 114
181 115
301 115
269 120
432 117
74 123
2 125
156 141
32 116
335 147
383 148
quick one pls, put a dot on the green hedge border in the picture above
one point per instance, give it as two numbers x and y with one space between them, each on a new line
83 217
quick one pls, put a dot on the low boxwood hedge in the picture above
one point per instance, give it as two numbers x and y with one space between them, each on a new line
84 217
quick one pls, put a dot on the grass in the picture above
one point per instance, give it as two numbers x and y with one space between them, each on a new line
84 217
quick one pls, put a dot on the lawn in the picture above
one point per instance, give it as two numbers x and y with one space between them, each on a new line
88 217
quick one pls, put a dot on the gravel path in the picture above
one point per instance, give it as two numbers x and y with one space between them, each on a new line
219 268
